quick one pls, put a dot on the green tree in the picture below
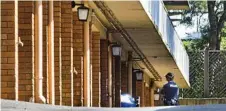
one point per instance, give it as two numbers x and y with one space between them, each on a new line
213 31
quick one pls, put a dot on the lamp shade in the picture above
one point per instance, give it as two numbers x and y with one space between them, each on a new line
116 50
139 75
83 13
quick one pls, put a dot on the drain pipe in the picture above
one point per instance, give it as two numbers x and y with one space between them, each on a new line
39 98
16 51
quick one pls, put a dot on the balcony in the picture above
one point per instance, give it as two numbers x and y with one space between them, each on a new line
158 14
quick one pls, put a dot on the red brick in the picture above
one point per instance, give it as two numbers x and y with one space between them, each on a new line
8 66
7 18
8 90
10 84
11 60
8 30
7 6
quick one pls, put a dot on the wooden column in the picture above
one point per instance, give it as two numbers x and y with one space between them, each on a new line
51 55
117 81
206 73
109 73
152 98
130 72
134 80
86 76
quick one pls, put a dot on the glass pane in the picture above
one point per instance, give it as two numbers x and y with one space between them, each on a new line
83 14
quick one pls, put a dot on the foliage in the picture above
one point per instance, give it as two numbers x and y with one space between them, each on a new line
197 10
197 44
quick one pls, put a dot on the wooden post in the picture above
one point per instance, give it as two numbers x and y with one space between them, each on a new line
130 72
86 64
110 76
51 55
109 73
16 50
206 73
117 81
152 89
0 45
143 94
134 81
113 82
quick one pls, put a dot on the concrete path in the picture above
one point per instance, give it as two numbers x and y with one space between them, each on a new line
9 105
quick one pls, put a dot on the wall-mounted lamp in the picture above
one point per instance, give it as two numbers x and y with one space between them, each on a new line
139 74
83 12
156 94
116 50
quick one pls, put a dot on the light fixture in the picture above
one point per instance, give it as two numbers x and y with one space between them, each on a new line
139 74
83 12
156 94
116 50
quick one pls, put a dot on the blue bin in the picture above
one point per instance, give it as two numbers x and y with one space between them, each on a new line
127 101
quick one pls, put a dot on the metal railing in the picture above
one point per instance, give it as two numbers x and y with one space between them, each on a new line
158 15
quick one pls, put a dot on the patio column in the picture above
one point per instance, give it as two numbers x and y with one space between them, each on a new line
86 78
117 80
51 55
110 76
152 97
130 72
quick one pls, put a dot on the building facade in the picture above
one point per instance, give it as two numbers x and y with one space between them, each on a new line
49 56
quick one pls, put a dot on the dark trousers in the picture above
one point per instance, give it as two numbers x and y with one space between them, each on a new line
170 103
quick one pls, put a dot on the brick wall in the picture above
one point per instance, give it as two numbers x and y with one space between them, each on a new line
96 69
78 58
66 28
57 39
104 72
139 91
7 50
147 96
25 11
124 78
62 31
44 48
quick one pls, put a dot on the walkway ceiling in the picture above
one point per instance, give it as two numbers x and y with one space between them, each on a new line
138 25
176 4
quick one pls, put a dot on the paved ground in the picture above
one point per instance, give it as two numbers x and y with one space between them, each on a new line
8 105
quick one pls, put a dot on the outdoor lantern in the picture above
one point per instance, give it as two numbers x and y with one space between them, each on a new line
139 75
116 50
83 13
156 94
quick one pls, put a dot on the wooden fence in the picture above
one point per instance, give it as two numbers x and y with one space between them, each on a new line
197 101
207 75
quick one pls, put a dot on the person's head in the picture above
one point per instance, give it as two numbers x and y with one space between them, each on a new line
169 76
